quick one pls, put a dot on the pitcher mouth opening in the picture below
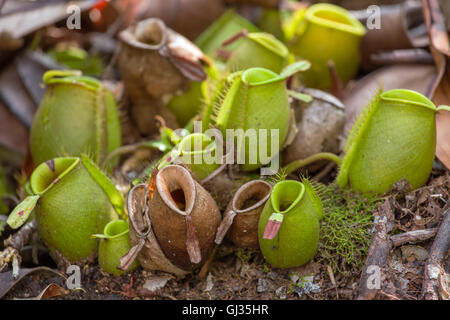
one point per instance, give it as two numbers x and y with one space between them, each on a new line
332 16
408 96
72 77
259 76
115 229
270 42
191 143
147 34
176 188
50 172
286 195
257 195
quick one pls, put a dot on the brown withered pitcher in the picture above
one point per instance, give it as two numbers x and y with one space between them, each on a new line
240 222
155 63
175 232
145 245
185 217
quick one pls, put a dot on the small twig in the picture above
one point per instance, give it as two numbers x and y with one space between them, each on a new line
390 296
205 268
21 237
324 171
214 174
224 54
333 280
413 236
235 37
436 256
14 244
402 56
337 87
378 252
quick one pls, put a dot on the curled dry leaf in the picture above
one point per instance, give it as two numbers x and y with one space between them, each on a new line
440 91
50 291
7 282
15 96
187 57
21 18
442 96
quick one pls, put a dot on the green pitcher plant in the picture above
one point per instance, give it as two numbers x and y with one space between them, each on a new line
326 33
196 151
222 29
271 21
77 115
257 100
394 138
114 244
288 229
257 49
72 200
186 106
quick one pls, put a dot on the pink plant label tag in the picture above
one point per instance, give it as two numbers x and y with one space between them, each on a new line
273 226
192 243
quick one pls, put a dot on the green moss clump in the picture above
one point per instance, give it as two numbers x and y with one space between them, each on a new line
345 231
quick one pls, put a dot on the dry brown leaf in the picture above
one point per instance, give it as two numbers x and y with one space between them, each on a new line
21 18
440 47
50 291
442 96
444 286
7 282
13 133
